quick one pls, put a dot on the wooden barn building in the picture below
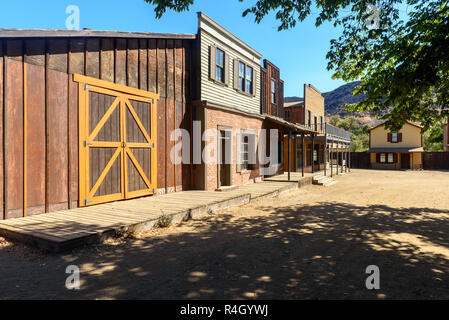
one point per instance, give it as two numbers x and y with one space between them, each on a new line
83 115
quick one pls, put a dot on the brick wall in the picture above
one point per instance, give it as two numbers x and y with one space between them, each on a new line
216 118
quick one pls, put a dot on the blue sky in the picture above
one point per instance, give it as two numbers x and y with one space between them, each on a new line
300 53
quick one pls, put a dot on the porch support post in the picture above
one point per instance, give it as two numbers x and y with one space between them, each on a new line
349 168
338 158
313 153
302 154
325 154
288 153
332 158
347 157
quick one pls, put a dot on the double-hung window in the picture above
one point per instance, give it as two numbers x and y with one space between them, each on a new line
394 137
241 76
220 65
245 152
273 92
249 80
390 158
245 78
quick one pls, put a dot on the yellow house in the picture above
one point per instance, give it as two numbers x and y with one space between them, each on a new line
396 150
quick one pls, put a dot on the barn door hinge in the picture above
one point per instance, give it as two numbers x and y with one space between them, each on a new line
152 101
86 87
152 190
152 145
87 143
86 202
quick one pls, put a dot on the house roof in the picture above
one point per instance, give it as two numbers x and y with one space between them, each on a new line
409 149
409 122
87 33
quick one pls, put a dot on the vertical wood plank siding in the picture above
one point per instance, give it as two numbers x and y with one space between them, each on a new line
271 72
2 213
51 119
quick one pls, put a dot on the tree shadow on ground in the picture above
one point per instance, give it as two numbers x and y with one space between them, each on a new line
319 251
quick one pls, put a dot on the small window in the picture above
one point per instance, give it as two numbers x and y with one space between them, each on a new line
321 123
394 137
390 158
220 66
287 115
245 154
316 123
241 76
309 117
382 158
249 79
273 91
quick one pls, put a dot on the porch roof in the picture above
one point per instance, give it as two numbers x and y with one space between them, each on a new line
295 127
410 149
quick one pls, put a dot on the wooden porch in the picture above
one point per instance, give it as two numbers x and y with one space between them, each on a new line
64 230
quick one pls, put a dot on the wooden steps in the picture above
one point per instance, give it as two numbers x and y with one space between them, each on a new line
325 181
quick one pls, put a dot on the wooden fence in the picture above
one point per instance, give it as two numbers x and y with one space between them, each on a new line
436 160
360 160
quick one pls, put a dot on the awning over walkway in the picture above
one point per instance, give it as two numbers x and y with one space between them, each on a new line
412 149
294 127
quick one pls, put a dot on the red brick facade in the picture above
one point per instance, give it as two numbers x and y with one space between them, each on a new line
237 121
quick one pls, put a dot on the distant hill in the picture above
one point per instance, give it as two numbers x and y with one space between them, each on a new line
334 100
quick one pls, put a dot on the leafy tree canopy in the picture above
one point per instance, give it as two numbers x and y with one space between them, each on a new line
403 64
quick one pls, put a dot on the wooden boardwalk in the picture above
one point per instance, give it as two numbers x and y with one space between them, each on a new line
63 230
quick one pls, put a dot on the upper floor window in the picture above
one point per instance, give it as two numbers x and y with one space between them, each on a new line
249 79
394 137
287 115
309 118
219 65
321 123
273 91
315 122
243 77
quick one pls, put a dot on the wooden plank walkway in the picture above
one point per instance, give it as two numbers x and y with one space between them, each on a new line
63 230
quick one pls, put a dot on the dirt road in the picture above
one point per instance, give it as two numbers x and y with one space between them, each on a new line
313 243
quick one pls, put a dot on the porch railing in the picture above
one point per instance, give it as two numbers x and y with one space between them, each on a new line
337 132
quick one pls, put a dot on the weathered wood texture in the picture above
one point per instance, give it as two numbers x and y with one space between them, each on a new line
271 73
359 160
51 160
436 160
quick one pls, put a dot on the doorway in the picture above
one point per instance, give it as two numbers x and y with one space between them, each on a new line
224 157
117 151
405 160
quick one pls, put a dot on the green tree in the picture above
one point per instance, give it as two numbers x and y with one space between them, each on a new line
433 138
334 120
402 63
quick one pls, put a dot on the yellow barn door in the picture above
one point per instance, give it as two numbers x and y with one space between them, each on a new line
117 150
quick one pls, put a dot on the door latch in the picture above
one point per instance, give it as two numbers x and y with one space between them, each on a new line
87 143
86 202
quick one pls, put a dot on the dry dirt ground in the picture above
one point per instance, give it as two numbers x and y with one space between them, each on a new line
312 243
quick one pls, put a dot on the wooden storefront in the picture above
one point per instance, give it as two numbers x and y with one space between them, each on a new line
127 92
